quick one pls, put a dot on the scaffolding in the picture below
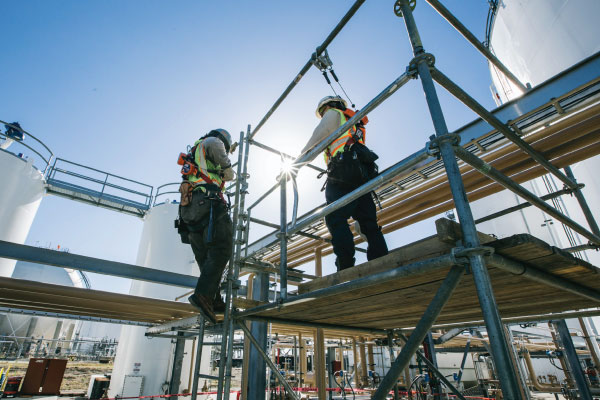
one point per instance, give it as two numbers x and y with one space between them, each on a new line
550 127
439 154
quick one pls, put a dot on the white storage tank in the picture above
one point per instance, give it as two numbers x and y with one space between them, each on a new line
537 39
151 358
22 189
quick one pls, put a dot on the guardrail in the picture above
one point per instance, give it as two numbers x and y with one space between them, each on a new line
42 155
100 185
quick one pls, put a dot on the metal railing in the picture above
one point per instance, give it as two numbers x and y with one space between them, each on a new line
43 155
100 185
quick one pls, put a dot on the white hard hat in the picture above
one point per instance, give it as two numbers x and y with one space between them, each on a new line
326 100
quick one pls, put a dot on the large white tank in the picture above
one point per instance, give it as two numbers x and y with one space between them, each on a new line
21 191
537 39
160 248
25 325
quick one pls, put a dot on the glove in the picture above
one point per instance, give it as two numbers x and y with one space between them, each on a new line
228 174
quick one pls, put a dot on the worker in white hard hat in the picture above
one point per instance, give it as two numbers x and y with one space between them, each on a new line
204 220
349 164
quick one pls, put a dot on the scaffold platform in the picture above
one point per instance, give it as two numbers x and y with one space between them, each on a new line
417 273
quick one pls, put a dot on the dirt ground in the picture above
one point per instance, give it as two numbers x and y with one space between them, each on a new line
77 375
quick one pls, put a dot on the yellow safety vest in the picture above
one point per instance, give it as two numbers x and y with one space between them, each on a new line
339 144
206 168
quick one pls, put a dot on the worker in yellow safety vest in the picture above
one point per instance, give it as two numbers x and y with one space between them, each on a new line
204 220
349 165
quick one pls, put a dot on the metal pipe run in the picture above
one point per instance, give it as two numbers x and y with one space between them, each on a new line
535 274
283 321
264 355
308 64
418 334
444 12
489 307
264 196
419 267
521 206
491 119
514 187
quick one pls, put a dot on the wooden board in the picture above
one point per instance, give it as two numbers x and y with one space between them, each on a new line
401 303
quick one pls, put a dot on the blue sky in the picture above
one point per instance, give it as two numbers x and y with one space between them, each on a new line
124 86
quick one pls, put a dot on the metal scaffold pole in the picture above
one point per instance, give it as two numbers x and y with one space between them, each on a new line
500 350
234 263
198 357
225 364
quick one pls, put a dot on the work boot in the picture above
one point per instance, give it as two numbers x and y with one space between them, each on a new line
204 305
219 305
344 264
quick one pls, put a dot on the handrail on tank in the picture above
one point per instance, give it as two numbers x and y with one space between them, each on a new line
46 160
158 192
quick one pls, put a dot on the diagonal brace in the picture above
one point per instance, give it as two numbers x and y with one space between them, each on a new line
418 334
436 371
492 173
491 119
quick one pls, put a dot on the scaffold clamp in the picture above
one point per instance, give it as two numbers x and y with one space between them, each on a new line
398 9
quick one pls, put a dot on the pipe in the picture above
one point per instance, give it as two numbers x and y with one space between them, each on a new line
533 377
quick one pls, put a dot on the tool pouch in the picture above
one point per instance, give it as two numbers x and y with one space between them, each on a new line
352 167
195 210
186 189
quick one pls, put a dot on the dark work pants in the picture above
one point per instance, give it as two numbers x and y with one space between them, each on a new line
212 257
362 210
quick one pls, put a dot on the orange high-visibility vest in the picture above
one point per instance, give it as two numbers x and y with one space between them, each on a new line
346 138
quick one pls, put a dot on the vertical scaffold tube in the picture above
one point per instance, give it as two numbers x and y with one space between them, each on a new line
283 238
233 261
500 351
198 358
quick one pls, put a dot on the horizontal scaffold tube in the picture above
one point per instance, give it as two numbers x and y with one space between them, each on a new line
401 271
283 321
54 258
537 275
386 176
